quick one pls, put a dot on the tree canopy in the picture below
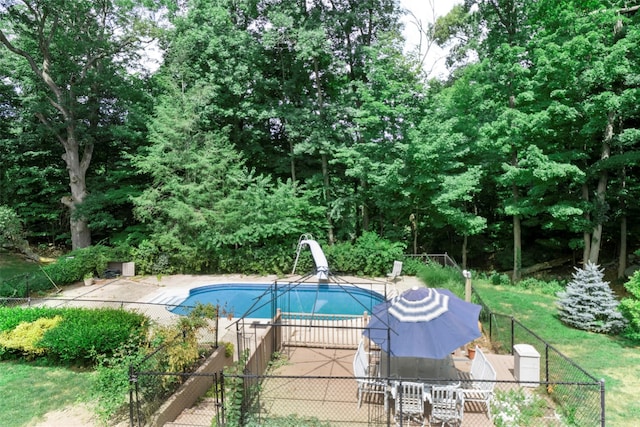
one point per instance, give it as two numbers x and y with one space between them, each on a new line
267 120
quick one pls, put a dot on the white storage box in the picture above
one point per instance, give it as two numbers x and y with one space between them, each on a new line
526 365
128 269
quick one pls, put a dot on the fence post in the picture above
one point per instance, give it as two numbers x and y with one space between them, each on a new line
467 285
133 382
602 417
513 333
220 418
217 321
546 362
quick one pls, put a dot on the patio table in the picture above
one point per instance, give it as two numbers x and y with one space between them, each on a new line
430 372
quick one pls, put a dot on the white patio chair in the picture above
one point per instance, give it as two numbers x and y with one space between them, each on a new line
396 273
482 390
447 406
409 403
368 381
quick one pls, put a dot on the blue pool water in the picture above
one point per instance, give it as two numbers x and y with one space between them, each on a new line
255 300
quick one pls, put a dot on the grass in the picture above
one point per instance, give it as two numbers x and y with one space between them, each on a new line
29 392
12 265
603 356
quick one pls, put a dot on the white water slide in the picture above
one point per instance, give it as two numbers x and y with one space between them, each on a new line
322 266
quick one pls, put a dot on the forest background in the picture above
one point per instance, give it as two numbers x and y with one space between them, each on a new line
265 120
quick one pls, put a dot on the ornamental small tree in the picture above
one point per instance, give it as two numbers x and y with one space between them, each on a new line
588 302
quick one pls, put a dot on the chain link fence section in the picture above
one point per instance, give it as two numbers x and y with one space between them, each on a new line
332 401
578 395
308 401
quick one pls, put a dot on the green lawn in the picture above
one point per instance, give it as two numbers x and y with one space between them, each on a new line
12 265
29 392
611 358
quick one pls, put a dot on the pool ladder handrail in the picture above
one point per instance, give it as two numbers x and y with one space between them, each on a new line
300 240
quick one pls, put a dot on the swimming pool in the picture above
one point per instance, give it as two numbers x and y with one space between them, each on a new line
259 300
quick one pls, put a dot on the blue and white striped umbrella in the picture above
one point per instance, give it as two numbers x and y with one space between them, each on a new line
424 323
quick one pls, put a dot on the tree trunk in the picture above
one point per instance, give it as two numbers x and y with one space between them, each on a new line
586 236
464 252
325 174
77 168
622 259
364 208
63 99
517 226
292 159
517 249
325 161
601 192
414 232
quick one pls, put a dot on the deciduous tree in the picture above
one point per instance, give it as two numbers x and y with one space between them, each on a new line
72 50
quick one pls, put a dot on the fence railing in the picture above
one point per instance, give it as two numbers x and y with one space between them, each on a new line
338 331
443 259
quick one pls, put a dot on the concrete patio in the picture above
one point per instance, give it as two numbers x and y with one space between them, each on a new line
329 392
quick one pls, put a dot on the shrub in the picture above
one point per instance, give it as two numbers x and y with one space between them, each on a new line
589 304
435 275
12 317
370 255
630 307
499 279
86 333
26 336
411 265
551 287
82 334
73 266
175 350
111 384
11 231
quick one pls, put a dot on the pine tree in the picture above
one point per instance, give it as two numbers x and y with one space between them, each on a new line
588 302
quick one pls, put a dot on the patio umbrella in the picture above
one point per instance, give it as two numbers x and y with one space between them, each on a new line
423 323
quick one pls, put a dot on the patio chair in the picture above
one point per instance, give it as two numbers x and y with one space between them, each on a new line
396 272
368 381
482 382
409 404
447 406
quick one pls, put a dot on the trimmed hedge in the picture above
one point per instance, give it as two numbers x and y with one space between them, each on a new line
82 335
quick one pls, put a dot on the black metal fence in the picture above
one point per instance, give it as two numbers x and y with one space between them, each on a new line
444 259
288 392
583 405
579 395
332 401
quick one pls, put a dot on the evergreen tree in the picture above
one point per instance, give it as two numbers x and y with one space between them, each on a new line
588 302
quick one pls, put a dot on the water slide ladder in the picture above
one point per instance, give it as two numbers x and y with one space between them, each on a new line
322 266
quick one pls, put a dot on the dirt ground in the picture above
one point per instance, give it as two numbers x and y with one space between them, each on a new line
80 415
